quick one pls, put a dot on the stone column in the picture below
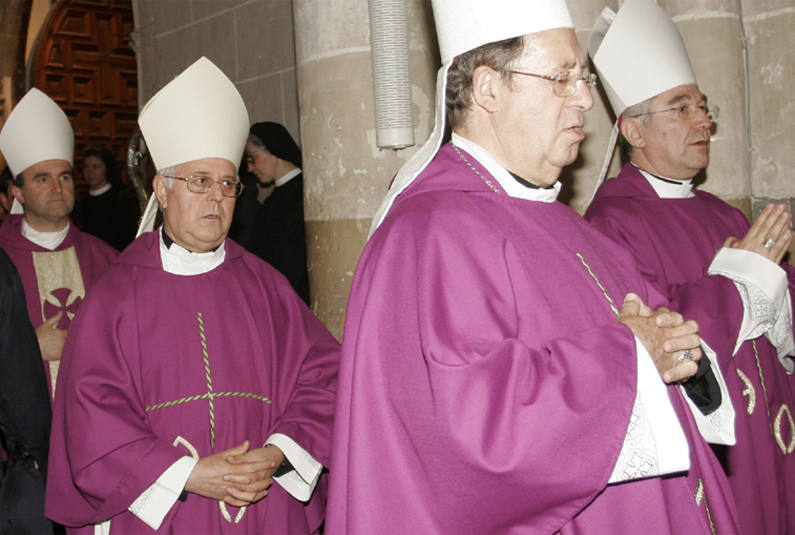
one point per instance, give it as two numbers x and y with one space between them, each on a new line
345 174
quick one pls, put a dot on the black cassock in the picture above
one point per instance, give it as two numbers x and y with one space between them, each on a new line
24 412
275 231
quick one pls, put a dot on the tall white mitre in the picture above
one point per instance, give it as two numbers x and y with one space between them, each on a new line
199 114
36 130
638 53
461 26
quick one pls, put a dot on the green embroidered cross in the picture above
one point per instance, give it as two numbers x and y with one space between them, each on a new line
209 395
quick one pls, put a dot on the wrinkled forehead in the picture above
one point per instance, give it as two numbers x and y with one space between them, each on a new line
207 166
682 94
48 167
553 50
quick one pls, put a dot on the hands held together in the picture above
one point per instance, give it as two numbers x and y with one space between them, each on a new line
672 342
238 476
769 236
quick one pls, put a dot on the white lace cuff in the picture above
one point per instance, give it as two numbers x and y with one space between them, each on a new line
763 288
655 443
299 482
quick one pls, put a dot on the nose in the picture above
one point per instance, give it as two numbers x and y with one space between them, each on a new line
703 120
215 194
582 98
249 167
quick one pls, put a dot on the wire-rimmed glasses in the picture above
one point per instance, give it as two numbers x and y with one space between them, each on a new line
230 185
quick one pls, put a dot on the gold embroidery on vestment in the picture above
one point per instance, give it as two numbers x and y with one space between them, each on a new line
56 270
786 449
749 391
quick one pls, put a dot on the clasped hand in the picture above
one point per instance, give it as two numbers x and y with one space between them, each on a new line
665 335
238 476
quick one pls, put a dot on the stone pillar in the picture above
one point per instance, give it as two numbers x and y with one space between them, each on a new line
345 174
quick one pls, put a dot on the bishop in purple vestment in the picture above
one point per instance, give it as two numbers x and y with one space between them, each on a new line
56 261
741 296
194 376
485 384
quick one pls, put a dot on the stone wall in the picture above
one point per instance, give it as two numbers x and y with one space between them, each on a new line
250 40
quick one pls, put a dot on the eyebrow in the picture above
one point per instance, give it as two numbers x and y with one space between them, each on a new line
686 98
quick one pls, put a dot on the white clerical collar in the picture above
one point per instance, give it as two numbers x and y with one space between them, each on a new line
667 188
100 191
511 186
47 240
179 261
286 178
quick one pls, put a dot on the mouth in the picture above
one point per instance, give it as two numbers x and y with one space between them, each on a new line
577 131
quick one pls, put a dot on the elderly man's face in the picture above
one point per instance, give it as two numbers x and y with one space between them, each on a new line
197 221
47 194
674 147
538 132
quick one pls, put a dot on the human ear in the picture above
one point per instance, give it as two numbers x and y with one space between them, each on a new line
160 189
16 192
632 130
484 87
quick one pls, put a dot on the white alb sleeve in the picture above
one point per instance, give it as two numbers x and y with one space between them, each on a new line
764 290
300 483
655 443
716 427
154 504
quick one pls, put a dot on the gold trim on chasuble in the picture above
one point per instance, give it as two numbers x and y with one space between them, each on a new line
210 396
774 423
61 289
700 494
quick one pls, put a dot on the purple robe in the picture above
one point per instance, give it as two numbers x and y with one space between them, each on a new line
55 280
675 240
485 384
159 345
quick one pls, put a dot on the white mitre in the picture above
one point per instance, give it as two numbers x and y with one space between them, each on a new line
638 53
461 26
199 114
36 130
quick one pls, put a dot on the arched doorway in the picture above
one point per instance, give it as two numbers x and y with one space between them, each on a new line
83 60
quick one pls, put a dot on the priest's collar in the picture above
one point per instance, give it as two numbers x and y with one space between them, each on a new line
667 188
47 240
513 185
100 191
286 178
179 261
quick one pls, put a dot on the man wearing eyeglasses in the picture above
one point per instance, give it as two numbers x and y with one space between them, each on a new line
195 377
505 368
701 252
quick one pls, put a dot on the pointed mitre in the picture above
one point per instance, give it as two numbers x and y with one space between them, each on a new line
461 26
638 53
199 114
36 130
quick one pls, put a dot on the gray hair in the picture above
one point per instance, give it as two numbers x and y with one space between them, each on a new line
168 171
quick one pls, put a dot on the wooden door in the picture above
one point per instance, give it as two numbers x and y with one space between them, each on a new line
85 62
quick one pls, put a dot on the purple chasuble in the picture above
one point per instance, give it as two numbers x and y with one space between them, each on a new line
485 385
215 359
55 280
675 240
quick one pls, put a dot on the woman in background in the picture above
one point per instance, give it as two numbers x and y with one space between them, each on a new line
107 211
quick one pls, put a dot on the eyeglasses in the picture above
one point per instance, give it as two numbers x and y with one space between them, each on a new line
687 112
564 85
230 186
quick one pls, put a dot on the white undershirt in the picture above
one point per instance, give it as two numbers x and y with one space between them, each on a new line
47 240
